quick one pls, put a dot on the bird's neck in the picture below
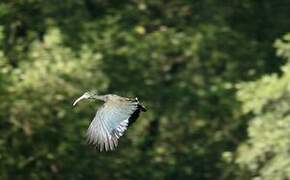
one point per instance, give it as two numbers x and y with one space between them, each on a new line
100 97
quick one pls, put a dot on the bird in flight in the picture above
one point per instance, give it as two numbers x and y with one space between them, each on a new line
111 119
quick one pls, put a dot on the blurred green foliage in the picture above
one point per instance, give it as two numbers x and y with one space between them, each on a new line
183 59
265 154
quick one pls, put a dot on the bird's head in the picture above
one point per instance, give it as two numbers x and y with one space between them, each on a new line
86 95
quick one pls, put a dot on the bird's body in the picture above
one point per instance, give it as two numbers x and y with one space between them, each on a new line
111 119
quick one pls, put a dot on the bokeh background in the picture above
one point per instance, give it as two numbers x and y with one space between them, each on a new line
214 75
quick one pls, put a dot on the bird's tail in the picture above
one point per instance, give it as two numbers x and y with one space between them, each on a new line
142 108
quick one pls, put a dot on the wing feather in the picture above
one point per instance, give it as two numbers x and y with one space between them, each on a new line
110 123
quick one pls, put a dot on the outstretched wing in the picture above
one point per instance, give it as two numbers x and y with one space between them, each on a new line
110 122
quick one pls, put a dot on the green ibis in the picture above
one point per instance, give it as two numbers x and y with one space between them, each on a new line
111 119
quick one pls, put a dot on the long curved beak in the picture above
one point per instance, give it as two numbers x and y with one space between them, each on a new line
79 99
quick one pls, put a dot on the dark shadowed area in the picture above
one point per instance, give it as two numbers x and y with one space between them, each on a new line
213 75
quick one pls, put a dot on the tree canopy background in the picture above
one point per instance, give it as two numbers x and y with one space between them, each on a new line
214 76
